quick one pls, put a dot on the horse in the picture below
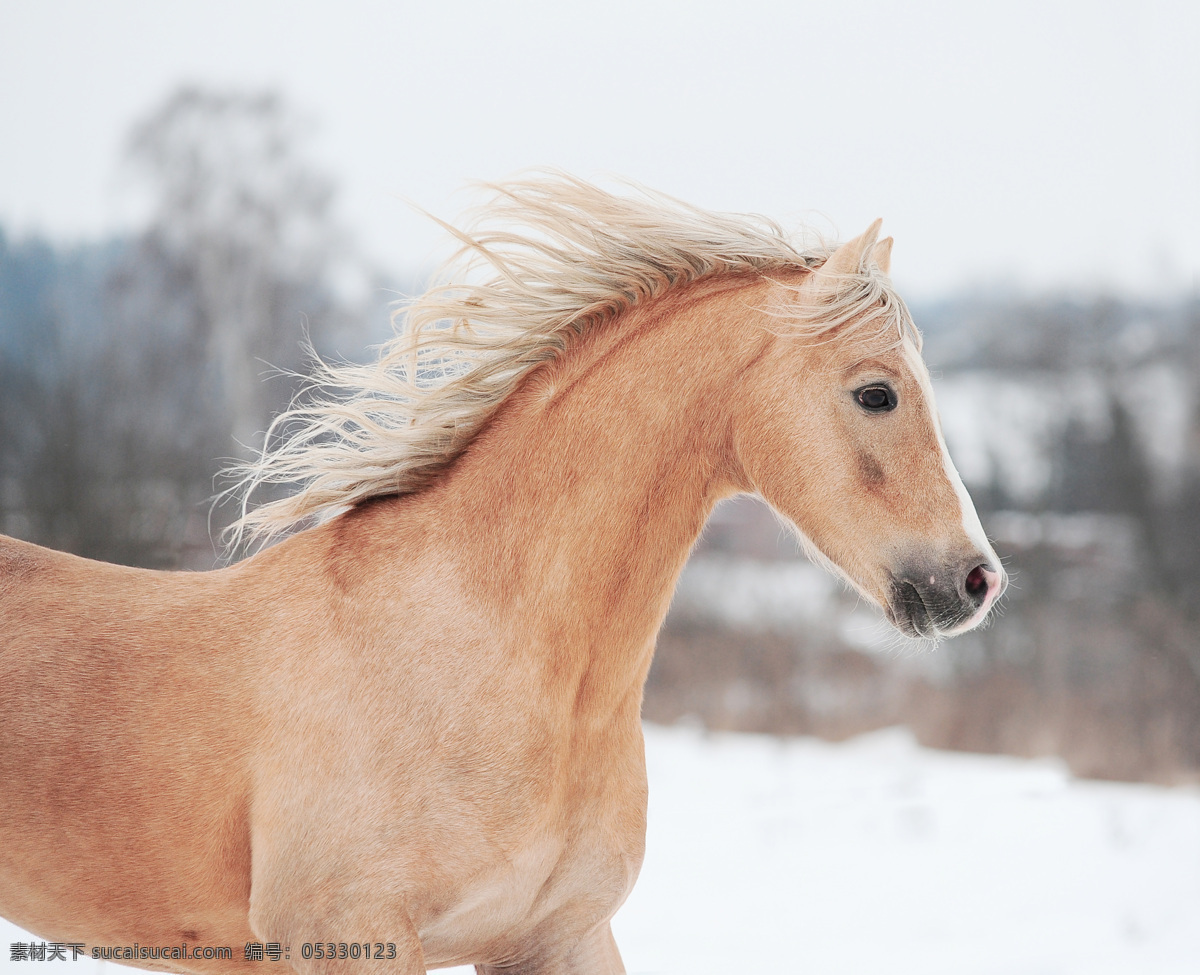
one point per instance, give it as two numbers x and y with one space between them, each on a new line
405 732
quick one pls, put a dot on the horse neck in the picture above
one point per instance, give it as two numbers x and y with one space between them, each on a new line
577 506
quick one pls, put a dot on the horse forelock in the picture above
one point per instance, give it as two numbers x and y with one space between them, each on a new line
546 260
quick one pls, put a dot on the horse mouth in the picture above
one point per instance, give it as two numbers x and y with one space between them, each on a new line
909 613
929 612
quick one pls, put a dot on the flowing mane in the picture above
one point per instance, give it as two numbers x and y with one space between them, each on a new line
560 257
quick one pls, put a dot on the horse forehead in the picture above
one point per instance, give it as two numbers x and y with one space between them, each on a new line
901 357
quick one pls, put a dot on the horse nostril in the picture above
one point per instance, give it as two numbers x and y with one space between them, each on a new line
977 583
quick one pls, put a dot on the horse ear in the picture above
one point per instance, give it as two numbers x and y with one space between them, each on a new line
882 255
848 259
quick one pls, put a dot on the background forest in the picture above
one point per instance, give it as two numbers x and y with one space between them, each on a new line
132 368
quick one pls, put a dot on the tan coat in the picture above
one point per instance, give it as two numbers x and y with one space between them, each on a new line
418 723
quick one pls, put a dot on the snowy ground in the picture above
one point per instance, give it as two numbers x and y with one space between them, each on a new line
778 856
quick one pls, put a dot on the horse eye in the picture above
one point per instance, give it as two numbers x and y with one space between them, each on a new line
876 399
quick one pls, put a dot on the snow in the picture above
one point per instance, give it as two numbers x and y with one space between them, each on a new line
769 855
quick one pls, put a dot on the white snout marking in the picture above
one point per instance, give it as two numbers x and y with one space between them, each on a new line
992 570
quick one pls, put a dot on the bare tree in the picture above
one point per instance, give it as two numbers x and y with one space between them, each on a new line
245 222
120 387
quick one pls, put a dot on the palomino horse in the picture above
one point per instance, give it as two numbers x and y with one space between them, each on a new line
413 728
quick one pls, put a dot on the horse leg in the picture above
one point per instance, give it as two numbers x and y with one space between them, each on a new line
322 926
597 954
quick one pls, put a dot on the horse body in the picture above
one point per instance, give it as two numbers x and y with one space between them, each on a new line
122 696
419 722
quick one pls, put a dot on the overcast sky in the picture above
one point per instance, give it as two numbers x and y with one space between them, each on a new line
1041 145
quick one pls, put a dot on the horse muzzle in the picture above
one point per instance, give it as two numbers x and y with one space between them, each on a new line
933 602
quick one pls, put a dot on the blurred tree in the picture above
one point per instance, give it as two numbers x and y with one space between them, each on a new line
240 222
125 367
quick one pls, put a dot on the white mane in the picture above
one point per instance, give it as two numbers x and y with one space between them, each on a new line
561 256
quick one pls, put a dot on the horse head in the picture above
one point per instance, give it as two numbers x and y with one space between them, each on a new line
842 437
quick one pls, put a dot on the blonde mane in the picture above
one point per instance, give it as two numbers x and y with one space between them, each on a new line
561 256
